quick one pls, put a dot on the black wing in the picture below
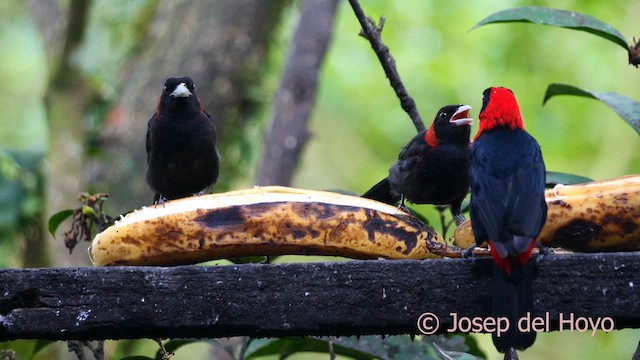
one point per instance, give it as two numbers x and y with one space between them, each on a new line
507 177
526 203
410 154
148 143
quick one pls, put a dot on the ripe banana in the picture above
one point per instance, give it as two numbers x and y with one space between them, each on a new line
264 221
591 217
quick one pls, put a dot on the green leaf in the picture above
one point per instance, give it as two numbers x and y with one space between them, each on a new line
39 345
286 347
559 18
554 178
248 260
57 219
627 108
474 347
88 211
453 355
406 347
137 357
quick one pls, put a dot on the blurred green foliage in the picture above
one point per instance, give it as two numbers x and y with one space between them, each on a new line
358 126
24 74
20 199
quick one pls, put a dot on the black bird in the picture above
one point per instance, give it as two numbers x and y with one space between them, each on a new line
182 157
433 168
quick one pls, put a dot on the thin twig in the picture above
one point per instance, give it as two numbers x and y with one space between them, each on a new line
97 350
75 347
166 355
372 33
332 353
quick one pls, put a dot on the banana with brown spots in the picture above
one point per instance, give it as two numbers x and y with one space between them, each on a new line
591 217
267 220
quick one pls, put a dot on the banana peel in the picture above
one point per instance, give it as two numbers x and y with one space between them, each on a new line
269 220
598 216
592 217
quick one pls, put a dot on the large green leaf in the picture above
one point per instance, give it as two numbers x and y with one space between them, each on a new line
627 108
56 219
554 178
39 345
454 355
367 347
559 18
407 347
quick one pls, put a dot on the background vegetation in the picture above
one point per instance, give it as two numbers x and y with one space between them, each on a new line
358 126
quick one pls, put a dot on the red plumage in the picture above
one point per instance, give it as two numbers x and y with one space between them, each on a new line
501 111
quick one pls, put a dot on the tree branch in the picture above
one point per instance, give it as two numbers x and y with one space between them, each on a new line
76 26
344 298
388 63
51 21
296 94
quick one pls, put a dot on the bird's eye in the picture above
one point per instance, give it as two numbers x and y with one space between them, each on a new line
165 89
443 115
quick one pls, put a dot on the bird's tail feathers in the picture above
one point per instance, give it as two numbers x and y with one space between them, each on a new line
382 192
513 298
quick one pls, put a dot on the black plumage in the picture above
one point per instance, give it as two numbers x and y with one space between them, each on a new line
182 156
433 167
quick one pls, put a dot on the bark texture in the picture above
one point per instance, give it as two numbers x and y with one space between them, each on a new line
344 298
288 130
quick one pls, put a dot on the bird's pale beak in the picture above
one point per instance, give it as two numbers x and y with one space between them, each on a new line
461 116
181 91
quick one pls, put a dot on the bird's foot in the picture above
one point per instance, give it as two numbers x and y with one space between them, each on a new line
161 200
458 219
542 252
404 207
468 253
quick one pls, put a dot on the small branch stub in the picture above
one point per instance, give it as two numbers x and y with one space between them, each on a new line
634 53
378 28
